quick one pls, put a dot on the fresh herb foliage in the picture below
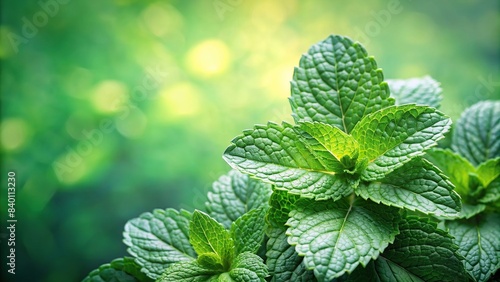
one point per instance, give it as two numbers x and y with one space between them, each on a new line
355 190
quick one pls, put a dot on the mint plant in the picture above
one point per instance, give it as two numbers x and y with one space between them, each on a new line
353 191
474 168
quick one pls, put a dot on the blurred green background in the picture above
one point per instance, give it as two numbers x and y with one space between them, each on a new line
114 108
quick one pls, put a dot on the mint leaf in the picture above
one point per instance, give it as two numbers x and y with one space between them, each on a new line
477 132
280 205
281 156
159 239
338 144
337 83
248 267
208 236
248 231
418 185
422 91
282 260
335 237
119 270
478 239
492 192
393 136
454 166
233 195
190 271
470 210
488 171
421 252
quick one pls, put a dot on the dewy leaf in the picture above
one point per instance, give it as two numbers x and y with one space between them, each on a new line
454 166
478 240
119 270
477 132
281 156
418 185
337 83
248 231
335 237
393 136
208 236
187 272
422 91
421 252
159 239
234 194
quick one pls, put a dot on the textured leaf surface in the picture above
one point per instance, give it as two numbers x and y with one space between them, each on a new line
335 141
478 239
248 231
418 185
337 83
335 237
119 270
234 194
208 236
248 265
281 156
282 260
454 166
422 91
477 132
187 272
393 136
159 239
421 252
488 171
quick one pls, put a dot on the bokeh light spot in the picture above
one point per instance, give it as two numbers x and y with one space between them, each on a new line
108 95
13 133
133 124
180 100
162 19
210 57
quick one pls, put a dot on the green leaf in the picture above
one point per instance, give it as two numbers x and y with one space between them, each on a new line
339 144
119 270
488 171
189 271
208 236
454 166
234 194
337 83
159 239
248 265
281 156
282 260
421 252
211 261
477 132
492 192
335 237
478 239
393 136
248 231
418 185
422 91
280 205
470 210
